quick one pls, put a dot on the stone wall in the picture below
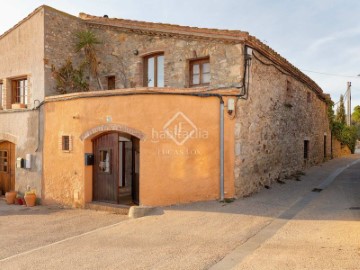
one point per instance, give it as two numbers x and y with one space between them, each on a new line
60 39
340 150
116 54
272 124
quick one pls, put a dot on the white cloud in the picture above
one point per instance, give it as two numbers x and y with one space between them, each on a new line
348 33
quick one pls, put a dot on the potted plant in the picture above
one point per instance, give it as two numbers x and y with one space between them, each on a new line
10 197
30 198
19 200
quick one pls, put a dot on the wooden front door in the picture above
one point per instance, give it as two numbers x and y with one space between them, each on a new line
106 168
135 171
7 166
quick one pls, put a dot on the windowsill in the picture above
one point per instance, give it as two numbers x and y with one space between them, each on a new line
199 85
16 106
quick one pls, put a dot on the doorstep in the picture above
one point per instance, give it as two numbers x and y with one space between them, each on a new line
108 207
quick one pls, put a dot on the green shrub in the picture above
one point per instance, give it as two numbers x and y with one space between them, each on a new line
346 135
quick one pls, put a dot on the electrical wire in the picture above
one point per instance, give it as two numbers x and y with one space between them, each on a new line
273 65
330 74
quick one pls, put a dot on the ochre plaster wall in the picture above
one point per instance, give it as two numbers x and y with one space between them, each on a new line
168 174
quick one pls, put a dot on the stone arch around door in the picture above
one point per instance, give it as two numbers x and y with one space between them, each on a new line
8 137
108 143
93 132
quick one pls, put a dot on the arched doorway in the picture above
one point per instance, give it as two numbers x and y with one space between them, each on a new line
7 166
116 168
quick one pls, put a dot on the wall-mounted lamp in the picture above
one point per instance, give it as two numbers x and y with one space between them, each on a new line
135 52
230 105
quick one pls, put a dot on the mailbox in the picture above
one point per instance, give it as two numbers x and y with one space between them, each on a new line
20 163
89 159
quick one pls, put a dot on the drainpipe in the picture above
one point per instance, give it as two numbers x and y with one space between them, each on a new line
221 149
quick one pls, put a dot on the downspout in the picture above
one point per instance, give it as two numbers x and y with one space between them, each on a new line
39 122
221 149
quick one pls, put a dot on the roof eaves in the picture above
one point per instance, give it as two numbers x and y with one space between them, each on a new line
285 64
232 35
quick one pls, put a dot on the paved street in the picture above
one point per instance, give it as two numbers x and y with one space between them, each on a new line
285 227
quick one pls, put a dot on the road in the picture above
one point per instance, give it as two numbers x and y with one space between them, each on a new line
320 231
286 227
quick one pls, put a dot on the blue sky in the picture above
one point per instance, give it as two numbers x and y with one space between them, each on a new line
314 35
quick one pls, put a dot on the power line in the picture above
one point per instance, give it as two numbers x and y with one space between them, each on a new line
330 74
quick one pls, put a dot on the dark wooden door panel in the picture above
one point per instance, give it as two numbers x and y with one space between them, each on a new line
106 168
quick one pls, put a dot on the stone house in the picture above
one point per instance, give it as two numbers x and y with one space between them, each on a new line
187 114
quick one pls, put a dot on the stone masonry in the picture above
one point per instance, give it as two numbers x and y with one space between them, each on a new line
271 127
282 110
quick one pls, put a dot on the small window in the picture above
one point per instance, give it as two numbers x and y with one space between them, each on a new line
111 82
288 86
306 149
200 72
3 161
66 143
19 91
104 161
308 97
154 71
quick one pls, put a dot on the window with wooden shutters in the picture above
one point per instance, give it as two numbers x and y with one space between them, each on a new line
154 70
65 143
200 72
19 91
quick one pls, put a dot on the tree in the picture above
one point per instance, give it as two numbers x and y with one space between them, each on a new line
356 115
87 41
355 119
340 112
69 79
347 135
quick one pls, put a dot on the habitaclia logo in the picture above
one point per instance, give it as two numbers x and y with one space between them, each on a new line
179 129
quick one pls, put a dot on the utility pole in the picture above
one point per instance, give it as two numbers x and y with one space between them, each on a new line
348 92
